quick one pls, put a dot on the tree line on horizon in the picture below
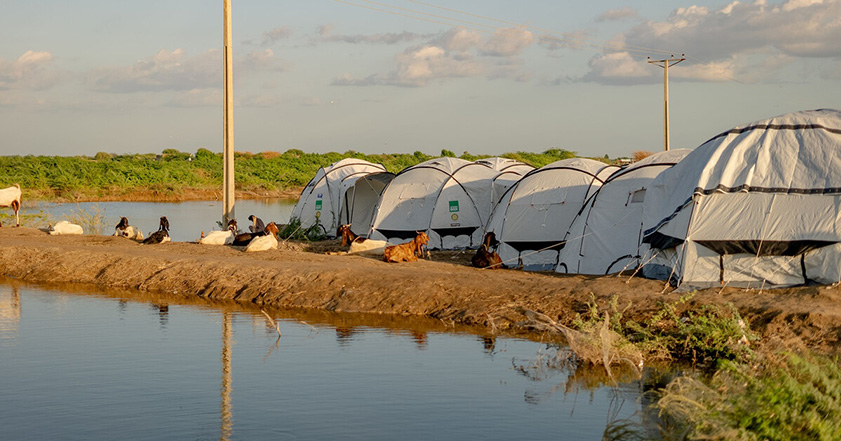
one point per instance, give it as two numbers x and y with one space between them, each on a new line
173 171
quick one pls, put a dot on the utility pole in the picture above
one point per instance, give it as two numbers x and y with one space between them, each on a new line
228 197
665 64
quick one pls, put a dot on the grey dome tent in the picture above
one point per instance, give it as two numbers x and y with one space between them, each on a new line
360 200
322 199
605 236
758 206
533 216
448 198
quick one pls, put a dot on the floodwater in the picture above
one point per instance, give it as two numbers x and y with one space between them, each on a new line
85 364
186 219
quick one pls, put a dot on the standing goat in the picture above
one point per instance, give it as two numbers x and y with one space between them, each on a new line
407 252
10 197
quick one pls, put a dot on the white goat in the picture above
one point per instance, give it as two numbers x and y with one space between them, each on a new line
10 197
262 243
63 228
266 242
368 247
224 237
123 229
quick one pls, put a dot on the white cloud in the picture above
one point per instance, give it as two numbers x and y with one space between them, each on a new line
276 35
727 41
507 43
457 53
617 14
175 70
619 68
32 70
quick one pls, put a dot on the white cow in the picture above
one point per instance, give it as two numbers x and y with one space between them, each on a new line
64 228
10 197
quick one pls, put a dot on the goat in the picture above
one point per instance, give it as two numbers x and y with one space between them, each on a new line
360 245
486 256
407 252
258 225
224 237
160 236
123 229
10 197
64 228
267 241
346 234
258 229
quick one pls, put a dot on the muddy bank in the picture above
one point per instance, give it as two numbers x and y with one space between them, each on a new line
445 288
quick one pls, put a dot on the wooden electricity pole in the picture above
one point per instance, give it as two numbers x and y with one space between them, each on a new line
228 197
665 64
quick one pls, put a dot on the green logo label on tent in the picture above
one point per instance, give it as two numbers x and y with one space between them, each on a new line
453 206
318 205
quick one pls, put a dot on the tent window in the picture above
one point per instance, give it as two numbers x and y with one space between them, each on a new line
638 196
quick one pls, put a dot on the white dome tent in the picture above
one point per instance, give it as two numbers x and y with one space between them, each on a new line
448 198
360 200
533 216
756 206
509 172
605 237
323 198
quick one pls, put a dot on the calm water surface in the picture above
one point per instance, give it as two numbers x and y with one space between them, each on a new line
187 219
128 365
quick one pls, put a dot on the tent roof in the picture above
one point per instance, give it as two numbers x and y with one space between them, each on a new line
349 162
503 164
584 165
795 153
665 158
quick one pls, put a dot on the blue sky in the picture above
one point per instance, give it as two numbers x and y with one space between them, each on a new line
482 76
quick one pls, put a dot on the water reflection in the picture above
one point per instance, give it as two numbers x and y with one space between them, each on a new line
226 407
9 312
163 313
361 377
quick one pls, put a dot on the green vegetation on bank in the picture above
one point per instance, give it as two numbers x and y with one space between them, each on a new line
173 172
736 387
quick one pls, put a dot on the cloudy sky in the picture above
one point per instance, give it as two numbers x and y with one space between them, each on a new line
482 76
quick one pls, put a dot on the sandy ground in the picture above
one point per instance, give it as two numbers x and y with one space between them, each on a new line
446 288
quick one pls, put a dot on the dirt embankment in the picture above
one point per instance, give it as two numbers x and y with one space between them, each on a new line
446 287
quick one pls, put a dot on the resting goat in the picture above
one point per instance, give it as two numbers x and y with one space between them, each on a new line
406 252
360 245
123 229
64 228
266 242
224 237
257 230
486 256
160 236
10 197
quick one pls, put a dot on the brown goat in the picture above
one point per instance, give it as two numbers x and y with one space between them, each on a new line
347 235
406 252
486 256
